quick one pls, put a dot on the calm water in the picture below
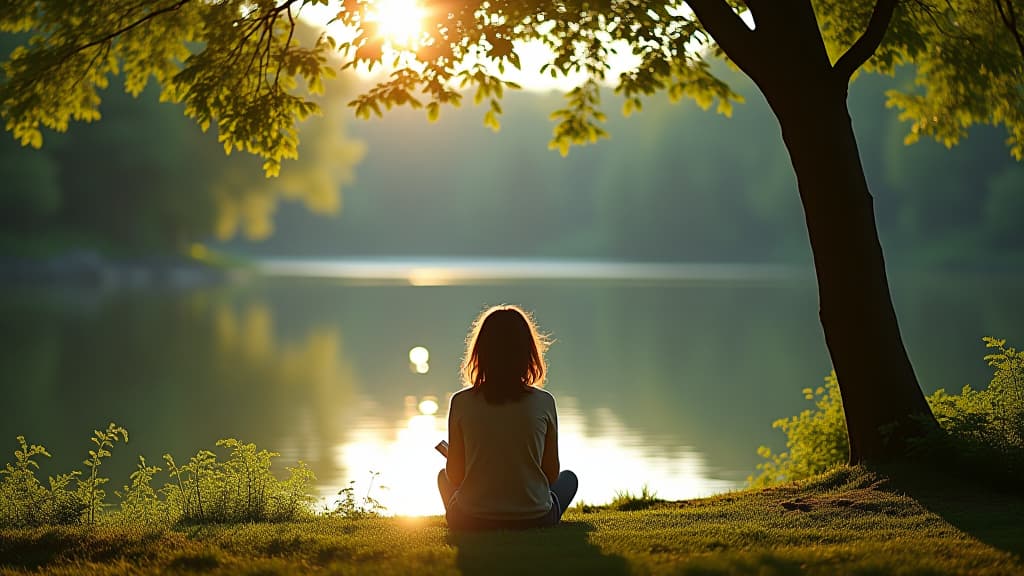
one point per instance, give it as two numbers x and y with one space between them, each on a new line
664 376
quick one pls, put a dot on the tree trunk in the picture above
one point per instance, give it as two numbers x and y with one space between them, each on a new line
882 400
785 55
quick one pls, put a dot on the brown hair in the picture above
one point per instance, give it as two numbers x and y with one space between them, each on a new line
504 354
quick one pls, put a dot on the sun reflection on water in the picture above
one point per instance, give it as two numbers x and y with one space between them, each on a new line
606 455
405 459
428 406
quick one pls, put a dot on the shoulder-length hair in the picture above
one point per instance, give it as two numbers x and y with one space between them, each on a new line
504 354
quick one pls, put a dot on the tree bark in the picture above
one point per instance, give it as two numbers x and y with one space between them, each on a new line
785 55
882 400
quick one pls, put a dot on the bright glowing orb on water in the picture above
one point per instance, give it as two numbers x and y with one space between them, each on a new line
428 406
398 21
419 355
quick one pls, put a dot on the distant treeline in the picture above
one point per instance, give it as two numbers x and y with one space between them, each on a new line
145 180
673 183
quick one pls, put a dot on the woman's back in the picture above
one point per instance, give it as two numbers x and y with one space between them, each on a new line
503 466
504 448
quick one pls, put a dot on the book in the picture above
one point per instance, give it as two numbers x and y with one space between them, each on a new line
442 447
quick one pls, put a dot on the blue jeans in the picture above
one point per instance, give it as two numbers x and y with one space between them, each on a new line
562 493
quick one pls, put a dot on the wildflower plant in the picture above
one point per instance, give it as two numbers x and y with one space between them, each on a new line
353 507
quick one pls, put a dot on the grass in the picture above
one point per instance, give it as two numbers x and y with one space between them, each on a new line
850 520
626 500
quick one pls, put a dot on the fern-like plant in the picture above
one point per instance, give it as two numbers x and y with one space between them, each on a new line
139 501
25 502
89 489
1007 390
239 489
21 494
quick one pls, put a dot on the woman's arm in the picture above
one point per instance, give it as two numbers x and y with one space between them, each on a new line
549 462
456 466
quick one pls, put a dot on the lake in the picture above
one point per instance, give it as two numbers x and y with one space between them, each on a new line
665 375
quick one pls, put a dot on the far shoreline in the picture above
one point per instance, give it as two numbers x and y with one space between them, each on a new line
201 267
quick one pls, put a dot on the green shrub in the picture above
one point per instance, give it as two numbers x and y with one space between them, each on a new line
25 502
139 501
239 489
1007 393
985 428
815 439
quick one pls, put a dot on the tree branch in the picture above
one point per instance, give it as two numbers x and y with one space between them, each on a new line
1009 17
868 42
120 31
728 30
757 7
287 45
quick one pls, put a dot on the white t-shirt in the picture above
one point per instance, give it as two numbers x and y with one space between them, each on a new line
504 449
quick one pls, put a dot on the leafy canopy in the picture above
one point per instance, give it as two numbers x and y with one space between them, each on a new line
237 64
234 63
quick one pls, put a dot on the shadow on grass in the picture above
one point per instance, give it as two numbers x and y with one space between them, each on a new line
43 547
995 519
32 553
969 500
563 549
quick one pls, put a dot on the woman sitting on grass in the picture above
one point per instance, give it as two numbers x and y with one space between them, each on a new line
503 469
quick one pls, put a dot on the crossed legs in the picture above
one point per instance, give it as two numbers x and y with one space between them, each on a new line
564 489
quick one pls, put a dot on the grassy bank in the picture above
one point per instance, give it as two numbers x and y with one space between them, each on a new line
846 521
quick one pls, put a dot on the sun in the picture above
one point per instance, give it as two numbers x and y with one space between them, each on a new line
399 22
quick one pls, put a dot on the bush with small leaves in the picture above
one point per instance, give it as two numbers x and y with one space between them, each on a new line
139 502
815 439
239 489
22 497
985 428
